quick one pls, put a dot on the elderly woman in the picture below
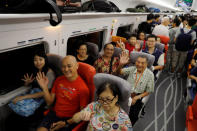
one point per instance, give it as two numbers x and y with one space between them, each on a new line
107 63
82 55
105 113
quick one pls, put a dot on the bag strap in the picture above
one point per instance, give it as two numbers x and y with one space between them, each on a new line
182 31
57 12
110 68
190 31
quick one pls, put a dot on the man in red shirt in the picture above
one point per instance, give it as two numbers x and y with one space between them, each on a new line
70 94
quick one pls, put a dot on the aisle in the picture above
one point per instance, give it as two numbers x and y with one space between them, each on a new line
165 108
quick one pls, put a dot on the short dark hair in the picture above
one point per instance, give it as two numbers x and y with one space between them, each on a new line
191 22
113 87
139 34
177 21
41 53
108 44
151 36
157 16
133 35
143 56
80 44
150 16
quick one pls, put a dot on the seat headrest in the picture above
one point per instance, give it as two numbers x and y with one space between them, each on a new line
87 73
160 46
118 38
117 52
122 84
164 39
55 63
134 55
93 49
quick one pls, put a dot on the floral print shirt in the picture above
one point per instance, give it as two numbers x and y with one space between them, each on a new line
103 66
101 121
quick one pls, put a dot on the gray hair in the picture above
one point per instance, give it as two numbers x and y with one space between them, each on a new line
143 56
164 19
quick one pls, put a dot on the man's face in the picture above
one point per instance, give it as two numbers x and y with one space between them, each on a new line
141 64
151 42
133 41
69 68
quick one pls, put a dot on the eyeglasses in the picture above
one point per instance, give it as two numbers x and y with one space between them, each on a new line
107 101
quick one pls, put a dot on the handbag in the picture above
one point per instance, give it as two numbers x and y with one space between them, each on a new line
32 6
27 107
100 6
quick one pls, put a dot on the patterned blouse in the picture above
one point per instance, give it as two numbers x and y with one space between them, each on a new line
145 83
103 122
103 66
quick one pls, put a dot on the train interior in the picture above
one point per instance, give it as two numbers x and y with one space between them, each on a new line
20 35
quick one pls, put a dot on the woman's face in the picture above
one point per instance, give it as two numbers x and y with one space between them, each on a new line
39 62
109 50
107 100
142 36
82 51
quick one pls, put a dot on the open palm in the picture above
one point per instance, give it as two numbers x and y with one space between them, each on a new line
42 80
28 79
124 58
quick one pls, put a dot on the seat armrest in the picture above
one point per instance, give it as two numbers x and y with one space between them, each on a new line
189 82
81 126
145 99
190 114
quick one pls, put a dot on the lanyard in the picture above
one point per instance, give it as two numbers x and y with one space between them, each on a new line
137 80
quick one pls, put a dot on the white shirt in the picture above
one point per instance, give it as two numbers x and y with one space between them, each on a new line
161 30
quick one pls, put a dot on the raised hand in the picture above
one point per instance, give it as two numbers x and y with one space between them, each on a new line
42 80
137 46
124 58
28 79
121 44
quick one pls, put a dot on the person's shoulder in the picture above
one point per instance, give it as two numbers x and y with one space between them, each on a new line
59 78
81 82
123 114
149 72
159 51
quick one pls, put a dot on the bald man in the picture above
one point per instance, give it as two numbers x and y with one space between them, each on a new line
69 95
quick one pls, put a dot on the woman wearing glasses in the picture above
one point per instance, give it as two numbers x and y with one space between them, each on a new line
105 113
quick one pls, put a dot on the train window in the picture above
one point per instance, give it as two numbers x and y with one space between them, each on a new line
14 64
125 31
96 37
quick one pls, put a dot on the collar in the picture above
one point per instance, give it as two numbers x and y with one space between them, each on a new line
136 70
146 50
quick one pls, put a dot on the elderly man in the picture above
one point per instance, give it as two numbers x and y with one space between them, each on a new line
69 93
162 29
141 80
